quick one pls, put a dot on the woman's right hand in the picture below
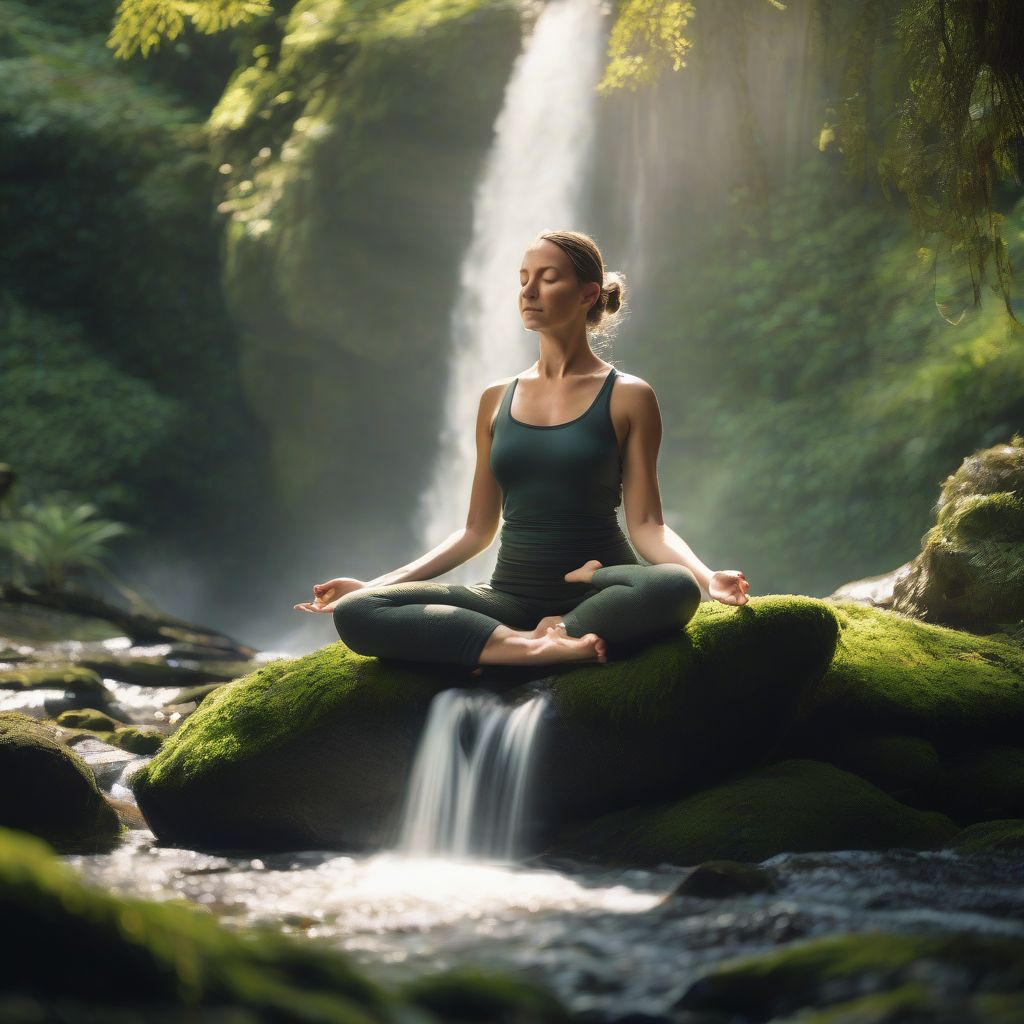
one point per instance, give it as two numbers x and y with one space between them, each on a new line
326 595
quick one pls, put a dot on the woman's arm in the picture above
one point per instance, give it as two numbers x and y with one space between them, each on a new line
641 497
484 514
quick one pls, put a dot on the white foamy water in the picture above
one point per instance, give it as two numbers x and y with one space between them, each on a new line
532 181
469 786
606 941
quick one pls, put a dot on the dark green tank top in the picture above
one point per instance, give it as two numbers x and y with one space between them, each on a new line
561 486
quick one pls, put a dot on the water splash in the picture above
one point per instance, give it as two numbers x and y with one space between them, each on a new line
468 792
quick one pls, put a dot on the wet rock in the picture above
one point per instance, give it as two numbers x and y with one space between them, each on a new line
40 616
127 813
872 590
907 767
196 693
1002 836
106 761
88 718
68 677
982 784
46 789
683 713
126 959
153 670
968 571
478 997
312 751
129 738
316 751
916 971
720 879
790 806
892 674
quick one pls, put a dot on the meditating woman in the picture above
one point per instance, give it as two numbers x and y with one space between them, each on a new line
558 448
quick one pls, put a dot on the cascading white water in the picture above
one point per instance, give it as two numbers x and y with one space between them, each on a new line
531 182
467 796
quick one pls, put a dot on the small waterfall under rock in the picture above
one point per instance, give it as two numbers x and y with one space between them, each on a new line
468 792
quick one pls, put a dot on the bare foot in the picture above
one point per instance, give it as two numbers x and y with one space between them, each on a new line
508 647
589 647
542 627
584 573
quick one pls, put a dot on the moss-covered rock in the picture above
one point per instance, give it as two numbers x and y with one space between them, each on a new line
839 968
56 677
318 750
968 572
169 961
88 718
896 675
473 996
1003 836
681 713
196 693
46 789
310 751
720 879
789 806
983 784
904 766
136 740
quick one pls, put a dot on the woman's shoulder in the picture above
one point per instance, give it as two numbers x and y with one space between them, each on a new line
633 384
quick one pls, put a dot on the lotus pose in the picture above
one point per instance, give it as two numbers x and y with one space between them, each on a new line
558 448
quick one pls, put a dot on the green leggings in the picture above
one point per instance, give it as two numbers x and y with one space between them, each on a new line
451 622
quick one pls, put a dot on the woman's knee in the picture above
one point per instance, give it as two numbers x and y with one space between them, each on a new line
677 586
353 619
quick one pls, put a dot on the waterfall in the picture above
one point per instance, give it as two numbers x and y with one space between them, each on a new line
468 792
534 178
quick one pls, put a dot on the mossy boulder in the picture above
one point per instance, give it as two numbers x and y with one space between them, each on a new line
907 767
790 806
839 968
469 995
125 958
684 712
968 572
720 879
1002 836
196 693
983 784
46 789
56 677
893 674
88 718
308 751
318 750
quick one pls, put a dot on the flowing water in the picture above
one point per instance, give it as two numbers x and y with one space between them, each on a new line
614 944
469 781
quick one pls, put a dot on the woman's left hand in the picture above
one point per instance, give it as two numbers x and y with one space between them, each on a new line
729 586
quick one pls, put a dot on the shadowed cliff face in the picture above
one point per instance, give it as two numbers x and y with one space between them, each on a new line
348 149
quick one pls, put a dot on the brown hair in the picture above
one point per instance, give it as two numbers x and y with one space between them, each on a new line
586 259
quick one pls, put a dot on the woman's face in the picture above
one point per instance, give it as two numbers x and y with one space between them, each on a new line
550 294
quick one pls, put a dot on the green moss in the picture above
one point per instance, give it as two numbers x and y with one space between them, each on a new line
789 806
838 967
88 718
897 764
480 997
1005 835
49 790
984 784
725 654
282 700
895 674
160 953
137 741
66 677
